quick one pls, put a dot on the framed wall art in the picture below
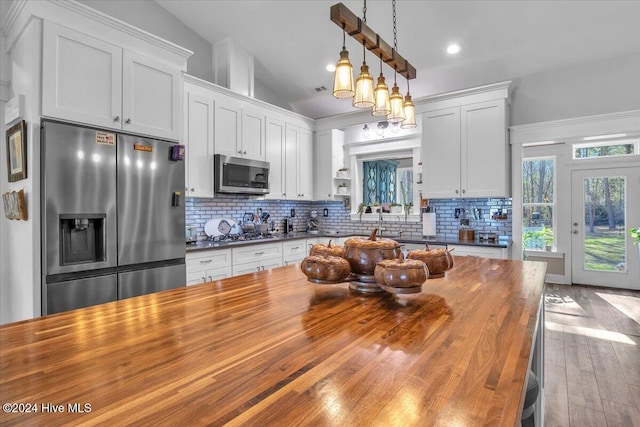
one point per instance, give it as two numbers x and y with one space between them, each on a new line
17 151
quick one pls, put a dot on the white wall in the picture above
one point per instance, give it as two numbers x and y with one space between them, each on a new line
153 18
20 286
5 305
602 87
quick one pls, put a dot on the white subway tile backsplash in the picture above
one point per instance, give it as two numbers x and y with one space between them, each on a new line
199 211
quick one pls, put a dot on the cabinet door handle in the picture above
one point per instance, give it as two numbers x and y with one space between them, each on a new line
262 266
464 191
456 191
128 121
116 119
239 151
204 279
258 253
244 152
210 278
206 261
258 268
284 194
295 247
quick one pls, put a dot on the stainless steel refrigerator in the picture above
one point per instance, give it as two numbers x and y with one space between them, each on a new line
112 216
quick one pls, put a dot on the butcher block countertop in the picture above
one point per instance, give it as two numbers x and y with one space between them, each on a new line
271 348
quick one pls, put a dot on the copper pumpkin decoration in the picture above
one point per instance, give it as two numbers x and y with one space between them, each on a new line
325 269
365 253
438 260
401 276
327 250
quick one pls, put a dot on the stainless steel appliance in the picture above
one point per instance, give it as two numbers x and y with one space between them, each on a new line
288 225
112 217
240 176
313 223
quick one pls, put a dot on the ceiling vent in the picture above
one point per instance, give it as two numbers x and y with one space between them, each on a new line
320 88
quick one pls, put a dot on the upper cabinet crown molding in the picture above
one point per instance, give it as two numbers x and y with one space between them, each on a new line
94 23
464 97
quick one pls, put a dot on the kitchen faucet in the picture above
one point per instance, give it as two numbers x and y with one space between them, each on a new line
380 228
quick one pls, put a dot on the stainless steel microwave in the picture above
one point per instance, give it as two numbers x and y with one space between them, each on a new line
240 176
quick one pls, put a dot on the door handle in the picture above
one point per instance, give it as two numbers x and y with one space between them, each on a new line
575 224
116 119
128 121
575 231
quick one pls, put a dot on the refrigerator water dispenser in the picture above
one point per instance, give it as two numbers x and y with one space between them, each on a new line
82 238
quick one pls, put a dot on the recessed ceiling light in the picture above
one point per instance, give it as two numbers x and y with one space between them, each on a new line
331 68
453 48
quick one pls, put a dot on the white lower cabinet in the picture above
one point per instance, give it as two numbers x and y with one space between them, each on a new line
294 252
479 252
253 258
207 266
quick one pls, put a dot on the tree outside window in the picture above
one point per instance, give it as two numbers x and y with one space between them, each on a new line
538 203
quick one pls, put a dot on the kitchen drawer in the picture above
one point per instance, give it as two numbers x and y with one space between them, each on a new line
256 253
209 275
255 266
480 252
207 260
295 249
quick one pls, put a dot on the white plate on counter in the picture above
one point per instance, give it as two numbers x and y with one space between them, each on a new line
221 227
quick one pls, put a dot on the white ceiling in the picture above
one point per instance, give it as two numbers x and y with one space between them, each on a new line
293 40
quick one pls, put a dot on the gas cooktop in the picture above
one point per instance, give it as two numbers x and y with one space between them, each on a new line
239 237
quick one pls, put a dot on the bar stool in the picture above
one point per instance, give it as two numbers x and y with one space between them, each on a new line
530 398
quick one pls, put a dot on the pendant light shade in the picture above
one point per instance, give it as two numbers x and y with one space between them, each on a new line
409 113
343 80
364 88
381 96
397 111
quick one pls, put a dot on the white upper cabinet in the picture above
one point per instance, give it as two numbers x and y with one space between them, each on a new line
305 165
89 81
441 153
228 119
275 149
198 138
239 132
465 152
298 167
253 135
82 78
292 136
151 96
484 155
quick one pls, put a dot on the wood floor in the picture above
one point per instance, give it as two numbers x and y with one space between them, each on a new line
592 357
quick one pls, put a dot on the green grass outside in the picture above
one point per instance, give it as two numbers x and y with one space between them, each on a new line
604 249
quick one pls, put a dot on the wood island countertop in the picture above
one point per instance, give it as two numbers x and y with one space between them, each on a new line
271 348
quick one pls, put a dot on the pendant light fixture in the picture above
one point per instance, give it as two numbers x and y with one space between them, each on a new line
343 78
360 31
409 111
363 97
364 88
381 96
396 115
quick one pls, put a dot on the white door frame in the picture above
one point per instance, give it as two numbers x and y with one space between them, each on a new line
630 277
561 133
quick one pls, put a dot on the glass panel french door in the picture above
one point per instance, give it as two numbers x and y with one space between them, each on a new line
605 205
